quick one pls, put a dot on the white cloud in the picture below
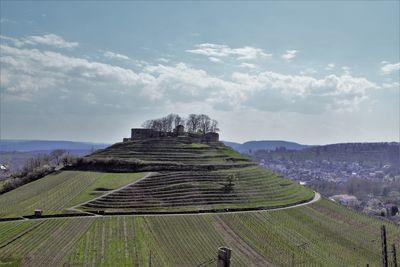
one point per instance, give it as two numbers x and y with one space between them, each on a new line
14 41
290 54
346 69
389 68
29 70
308 71
247 65
112 55
393 85
300 92
330 66
51 40
218 50
163 59
214 59
28 73
47 39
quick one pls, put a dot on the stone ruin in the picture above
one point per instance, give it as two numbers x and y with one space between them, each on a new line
179 131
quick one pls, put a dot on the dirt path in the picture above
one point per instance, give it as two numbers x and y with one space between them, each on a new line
240 247
317 197
75 208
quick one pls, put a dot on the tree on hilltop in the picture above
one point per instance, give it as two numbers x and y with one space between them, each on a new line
194 123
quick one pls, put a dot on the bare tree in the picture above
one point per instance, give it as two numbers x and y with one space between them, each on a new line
56 155
192 123
204 123
169 122
148 124
178 120
214 126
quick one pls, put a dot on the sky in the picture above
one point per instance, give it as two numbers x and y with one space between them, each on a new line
304 71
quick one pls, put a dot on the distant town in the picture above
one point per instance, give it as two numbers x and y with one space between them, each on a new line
363 176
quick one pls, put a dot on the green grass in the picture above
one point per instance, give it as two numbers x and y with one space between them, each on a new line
40 243
57 192
106 182
194 145
321 234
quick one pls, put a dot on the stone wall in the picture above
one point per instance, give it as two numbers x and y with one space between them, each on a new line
140 134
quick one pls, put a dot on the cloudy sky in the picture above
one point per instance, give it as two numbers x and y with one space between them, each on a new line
308 72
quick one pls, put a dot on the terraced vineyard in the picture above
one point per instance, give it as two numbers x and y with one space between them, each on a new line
57 192
178 150
193 177
194 191
320 234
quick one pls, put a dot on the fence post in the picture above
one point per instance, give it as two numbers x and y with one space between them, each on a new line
384 247
224 257
394 255
150 259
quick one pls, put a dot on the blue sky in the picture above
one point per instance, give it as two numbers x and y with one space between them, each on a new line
309 72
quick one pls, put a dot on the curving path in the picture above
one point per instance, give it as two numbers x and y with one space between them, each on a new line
317 197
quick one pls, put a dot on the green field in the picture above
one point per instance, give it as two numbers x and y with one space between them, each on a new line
57 192
320 234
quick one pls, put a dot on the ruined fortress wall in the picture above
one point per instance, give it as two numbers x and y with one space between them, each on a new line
139 133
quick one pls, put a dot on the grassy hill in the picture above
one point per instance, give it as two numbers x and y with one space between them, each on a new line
180 177
251 187
164 154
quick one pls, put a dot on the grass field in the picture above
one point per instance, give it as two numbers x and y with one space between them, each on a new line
321 234
57 192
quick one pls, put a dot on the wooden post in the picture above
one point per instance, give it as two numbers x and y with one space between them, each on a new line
224 257
394 255
384 247
150 259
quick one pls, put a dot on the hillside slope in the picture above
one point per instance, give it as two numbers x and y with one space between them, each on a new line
189 177
164 154
318 234
321 234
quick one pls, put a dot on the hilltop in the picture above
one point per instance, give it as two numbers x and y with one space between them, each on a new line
194 172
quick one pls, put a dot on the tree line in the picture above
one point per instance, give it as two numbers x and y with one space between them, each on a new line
194 123
37 167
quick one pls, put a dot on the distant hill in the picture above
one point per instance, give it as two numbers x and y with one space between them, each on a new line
9 145
264 145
